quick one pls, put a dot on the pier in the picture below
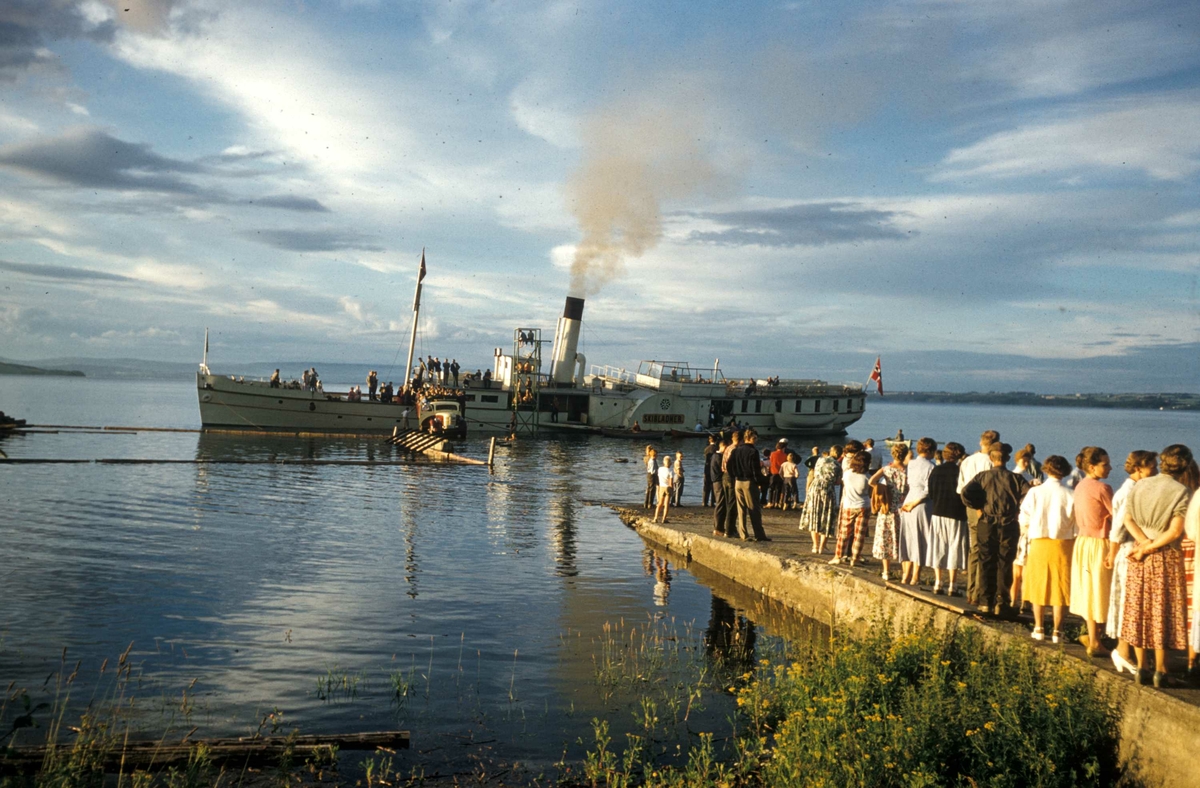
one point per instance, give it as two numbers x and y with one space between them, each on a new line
1157 725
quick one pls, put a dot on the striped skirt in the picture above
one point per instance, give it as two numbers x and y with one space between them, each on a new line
1116 591
820 513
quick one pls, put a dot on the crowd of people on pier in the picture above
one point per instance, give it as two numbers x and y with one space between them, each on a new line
996 526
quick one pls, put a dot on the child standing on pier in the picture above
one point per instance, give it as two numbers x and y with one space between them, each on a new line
666 480
650 459
677 486
855 510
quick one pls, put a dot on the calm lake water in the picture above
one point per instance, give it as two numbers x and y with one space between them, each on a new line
489 592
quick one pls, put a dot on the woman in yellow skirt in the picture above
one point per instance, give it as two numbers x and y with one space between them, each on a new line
1047 520
1091 573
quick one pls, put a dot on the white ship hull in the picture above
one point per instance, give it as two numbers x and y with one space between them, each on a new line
253 406
230 404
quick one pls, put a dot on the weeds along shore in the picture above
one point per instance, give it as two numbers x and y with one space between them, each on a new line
927 706
715 706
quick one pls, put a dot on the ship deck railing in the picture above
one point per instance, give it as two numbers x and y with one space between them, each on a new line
785 389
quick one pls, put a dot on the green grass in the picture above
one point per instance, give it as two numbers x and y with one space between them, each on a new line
928 707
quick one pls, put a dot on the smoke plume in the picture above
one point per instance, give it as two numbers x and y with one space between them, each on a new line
637 153
143 16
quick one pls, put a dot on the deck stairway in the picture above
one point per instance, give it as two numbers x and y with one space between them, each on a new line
417 441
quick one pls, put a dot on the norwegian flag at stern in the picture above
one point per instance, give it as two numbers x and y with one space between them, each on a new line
877 376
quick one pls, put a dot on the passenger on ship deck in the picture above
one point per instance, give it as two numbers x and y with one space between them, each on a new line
487 378
372 384
454 368
275 379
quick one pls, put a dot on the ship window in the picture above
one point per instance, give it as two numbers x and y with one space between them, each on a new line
799 402
779 406
744 405
758 406
817 406
470 398
489 398
836 402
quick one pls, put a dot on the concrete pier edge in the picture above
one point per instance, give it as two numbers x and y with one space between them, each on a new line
1159 733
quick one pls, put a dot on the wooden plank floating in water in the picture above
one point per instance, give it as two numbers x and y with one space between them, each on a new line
138 461
157 755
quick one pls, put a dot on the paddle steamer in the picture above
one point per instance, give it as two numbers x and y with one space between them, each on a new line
524 397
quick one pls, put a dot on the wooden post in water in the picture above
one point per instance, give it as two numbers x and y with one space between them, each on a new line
492 453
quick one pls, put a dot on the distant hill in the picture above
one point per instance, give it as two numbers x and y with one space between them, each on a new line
7 368
1159 401
141 369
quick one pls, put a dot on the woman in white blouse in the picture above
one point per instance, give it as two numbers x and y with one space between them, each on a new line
1047 520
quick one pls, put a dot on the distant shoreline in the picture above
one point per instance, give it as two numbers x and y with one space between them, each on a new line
1159 401
7 368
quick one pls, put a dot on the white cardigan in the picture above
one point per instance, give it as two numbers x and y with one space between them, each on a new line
1048 511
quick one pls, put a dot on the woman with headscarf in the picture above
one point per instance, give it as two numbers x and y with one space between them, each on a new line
820 514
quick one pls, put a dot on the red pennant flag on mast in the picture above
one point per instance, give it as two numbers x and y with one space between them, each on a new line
877 376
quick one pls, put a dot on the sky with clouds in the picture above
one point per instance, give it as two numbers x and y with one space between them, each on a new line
989 195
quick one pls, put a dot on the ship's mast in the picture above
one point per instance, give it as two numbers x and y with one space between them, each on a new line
412 341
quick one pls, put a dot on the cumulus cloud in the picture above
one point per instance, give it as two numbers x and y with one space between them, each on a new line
92 158
1154 136
28 26
95 159
805 224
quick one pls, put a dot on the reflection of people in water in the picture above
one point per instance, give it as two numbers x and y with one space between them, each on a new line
730 638
662 580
